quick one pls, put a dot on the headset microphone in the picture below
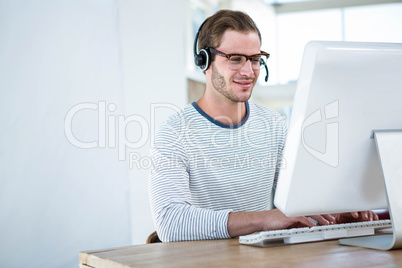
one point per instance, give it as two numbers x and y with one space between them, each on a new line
266 69
267 75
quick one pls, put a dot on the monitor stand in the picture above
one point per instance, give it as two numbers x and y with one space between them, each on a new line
389 148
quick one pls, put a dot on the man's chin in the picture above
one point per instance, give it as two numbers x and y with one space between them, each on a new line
243 97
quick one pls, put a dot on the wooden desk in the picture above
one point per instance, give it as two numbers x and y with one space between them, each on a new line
229 253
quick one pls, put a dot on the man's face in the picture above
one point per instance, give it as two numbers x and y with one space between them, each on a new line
235 86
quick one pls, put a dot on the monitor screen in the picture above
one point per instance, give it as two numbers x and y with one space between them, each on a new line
345 91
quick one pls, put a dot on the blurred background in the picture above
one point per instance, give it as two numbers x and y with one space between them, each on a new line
85 84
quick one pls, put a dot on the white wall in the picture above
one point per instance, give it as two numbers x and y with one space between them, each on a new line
57 199
111 61
153 52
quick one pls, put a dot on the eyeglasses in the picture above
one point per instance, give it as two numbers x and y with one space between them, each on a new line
237 61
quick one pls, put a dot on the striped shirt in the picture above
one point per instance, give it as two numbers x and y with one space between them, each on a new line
203 169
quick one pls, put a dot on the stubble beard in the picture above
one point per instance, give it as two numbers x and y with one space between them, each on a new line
220 85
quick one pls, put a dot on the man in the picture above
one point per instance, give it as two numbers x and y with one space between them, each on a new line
215 164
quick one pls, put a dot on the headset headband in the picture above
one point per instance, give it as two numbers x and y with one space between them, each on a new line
203 57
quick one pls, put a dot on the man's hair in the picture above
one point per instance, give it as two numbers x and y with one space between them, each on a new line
214 27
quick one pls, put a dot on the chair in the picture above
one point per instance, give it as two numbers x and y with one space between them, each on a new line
153 238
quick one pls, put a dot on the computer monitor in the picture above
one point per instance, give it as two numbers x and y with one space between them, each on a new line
330 163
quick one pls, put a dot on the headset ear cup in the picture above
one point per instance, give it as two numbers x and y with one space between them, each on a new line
199 60
204 59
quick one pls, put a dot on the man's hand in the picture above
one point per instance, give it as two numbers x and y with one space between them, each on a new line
243 223
325 219
356 217
346 217
275 219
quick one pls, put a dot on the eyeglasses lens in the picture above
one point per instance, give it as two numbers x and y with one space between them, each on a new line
237 62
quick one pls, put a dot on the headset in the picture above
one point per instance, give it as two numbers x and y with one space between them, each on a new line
202 58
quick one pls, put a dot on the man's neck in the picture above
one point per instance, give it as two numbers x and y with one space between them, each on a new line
227 112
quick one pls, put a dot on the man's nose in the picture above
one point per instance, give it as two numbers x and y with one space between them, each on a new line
247 68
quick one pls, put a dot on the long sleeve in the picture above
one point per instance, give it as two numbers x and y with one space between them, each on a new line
174 215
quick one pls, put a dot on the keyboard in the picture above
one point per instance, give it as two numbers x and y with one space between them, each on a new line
316 233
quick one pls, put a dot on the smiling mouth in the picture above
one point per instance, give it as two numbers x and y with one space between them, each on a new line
244 80
244 83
